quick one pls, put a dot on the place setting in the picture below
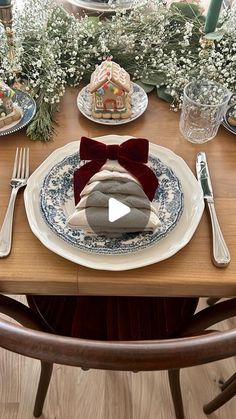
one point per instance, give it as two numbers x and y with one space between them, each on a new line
156 199
120 202
71 217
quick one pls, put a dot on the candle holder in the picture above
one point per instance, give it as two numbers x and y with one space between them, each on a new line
6 20
206 44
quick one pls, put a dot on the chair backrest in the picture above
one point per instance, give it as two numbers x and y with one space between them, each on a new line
126 356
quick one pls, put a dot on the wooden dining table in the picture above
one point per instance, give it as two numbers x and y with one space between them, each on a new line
33 269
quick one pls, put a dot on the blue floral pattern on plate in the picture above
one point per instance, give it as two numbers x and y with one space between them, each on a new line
225 122
57 203
28 106
139 105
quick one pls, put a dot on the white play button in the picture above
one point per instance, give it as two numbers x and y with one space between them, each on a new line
116 210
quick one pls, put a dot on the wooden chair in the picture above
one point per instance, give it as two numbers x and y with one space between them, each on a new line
228 388
33 340
213 300
228 392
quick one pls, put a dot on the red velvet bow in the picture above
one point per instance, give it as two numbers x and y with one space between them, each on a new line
131 155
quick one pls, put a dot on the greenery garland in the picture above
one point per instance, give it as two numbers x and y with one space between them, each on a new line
158 46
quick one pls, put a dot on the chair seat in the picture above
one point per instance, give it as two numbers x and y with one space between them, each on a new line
114 318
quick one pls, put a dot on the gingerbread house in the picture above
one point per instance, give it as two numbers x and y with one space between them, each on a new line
8 112
111 90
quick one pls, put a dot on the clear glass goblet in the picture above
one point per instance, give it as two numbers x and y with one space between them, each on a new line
204 105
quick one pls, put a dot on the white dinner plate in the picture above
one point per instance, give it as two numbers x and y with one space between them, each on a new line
182 233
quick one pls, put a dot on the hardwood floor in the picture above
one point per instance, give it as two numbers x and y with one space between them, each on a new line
76 394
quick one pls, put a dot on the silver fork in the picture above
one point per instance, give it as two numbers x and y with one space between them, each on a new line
19 179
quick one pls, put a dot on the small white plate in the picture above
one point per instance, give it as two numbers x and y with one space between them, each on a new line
165 248
139 105
111 6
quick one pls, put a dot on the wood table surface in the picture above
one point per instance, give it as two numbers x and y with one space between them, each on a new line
32 268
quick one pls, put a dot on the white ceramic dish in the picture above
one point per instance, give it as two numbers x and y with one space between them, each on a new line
165 248
107 6
139 106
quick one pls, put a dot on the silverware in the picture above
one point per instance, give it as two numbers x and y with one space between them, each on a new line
221 255
19 179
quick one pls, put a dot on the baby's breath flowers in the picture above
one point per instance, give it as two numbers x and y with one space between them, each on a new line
157 45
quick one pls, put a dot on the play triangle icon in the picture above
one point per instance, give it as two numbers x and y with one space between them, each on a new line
116 210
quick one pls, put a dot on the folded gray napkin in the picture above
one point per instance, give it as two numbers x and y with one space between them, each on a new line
100 199
92 212
98 216
123 187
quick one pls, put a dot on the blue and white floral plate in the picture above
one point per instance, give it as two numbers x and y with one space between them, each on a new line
57 204
185 209
139 106
28 107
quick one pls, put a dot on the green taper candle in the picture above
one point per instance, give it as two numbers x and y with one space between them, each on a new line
212 15
5 2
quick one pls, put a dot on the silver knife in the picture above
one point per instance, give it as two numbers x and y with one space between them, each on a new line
221 255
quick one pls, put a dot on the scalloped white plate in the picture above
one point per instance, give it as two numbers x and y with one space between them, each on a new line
165 248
